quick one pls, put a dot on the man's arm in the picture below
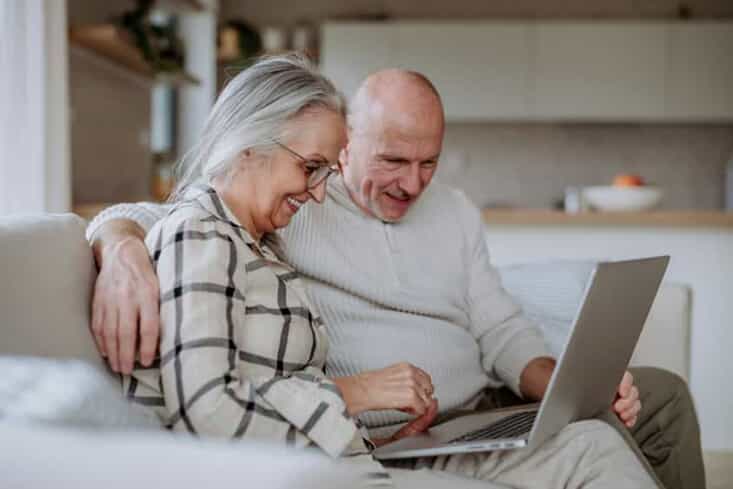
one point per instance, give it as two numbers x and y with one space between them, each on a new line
535 377
509 342
125 304
512 348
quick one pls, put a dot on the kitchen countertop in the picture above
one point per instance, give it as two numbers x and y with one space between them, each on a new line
547 217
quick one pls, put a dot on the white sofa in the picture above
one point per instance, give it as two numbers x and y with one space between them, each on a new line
46 278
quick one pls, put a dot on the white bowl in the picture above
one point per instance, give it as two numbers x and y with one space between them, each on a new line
610 198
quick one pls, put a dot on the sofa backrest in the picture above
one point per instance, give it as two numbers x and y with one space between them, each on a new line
550 294
46 277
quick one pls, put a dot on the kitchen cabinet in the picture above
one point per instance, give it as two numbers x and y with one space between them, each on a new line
599 71
700 71
481 70
351 51
538 71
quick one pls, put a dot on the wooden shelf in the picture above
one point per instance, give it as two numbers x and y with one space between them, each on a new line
110 45
546 217
88 211
179 6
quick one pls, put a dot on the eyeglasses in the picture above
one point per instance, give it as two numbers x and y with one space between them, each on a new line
316 171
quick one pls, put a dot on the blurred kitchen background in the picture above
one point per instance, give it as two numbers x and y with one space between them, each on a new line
544 99
541 97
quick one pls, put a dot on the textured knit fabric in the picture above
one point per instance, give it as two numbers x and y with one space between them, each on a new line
421 290
241 354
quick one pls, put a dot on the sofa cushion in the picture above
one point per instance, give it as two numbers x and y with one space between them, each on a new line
85 460
67 392
550 294
46 278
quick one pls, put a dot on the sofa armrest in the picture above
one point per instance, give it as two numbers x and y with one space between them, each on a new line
47 272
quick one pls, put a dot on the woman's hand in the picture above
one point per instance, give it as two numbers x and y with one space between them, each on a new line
417 425
402 386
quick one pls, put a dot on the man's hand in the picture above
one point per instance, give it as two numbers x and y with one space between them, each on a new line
536 376
125 304
627 404
417 425
401 386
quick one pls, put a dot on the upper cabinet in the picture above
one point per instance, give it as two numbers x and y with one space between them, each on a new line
351 51
480 70
700 72
588 71
527 71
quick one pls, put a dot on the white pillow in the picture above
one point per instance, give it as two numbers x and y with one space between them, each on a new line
550 294
79 459
66 393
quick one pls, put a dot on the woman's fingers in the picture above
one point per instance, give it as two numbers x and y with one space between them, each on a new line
401 386
419 424
415 376
423 378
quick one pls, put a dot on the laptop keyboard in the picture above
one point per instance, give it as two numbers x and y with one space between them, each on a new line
509 427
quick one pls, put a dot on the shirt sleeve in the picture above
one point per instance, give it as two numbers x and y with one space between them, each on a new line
144 214
206 389
507 338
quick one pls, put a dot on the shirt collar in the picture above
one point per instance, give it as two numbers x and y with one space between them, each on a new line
206 197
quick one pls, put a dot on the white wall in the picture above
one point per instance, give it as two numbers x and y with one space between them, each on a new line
702 259
198 32
35 173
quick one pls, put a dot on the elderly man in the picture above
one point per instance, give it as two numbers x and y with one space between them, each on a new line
399 270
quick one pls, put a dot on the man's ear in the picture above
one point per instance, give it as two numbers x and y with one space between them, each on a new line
343 157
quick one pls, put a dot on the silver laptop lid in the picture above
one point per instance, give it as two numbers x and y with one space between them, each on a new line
607 326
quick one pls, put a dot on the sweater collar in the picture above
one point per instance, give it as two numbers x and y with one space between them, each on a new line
336 189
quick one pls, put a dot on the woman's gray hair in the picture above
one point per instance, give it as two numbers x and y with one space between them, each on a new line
251 113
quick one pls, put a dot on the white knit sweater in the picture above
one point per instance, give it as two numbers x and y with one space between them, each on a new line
421 290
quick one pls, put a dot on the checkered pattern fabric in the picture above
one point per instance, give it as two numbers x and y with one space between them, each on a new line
241 354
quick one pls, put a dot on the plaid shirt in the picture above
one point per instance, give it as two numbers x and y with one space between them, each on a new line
241 354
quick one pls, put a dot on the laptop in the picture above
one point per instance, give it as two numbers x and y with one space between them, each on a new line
607 326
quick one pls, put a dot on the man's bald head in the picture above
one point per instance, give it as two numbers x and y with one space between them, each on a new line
396 130
395 91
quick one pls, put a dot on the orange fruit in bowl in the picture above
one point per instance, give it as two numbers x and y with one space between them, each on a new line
628 180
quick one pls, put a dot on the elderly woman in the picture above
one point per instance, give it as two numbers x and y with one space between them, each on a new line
241 350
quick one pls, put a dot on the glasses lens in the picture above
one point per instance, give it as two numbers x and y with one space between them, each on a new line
318 176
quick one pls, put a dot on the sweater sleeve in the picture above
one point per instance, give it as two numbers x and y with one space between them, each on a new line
207 388
145 214
507 338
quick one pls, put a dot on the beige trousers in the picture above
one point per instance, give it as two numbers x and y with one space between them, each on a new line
588 454
665 439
